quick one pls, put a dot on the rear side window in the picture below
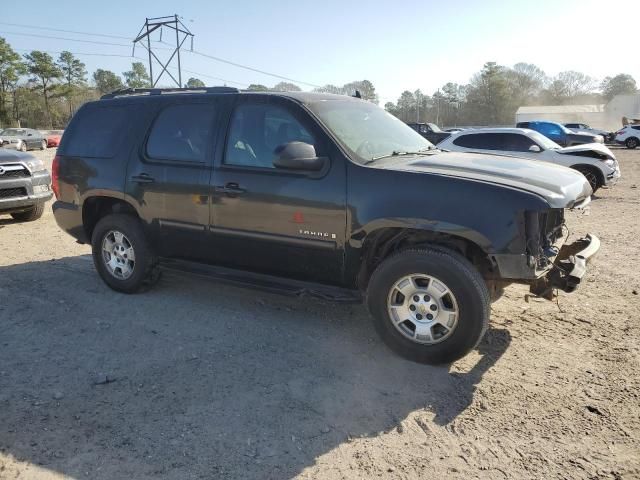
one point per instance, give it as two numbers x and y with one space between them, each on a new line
636 128
549 129
181 133
514 142
482 141
97 132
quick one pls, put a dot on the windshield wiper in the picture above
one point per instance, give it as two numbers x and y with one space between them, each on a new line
397 153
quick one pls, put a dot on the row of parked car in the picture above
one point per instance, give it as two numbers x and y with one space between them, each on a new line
582 150
24 139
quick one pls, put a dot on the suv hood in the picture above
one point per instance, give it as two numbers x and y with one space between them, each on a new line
561 187
588 147
13 156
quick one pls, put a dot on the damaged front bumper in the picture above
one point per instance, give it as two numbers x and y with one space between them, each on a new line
569 267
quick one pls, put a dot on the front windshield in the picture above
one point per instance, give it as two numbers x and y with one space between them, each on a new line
564 129
367 131
11 131
545 142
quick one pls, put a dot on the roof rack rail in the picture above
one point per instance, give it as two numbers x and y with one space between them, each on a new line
159 91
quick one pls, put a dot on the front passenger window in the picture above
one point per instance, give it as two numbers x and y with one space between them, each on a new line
257 130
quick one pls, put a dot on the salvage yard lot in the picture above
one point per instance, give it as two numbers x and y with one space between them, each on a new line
199 380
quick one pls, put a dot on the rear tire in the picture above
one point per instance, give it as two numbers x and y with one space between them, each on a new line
127 265
43 145
34 213
632 143
438 270
592 177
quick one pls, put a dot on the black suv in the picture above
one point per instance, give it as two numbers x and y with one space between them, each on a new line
430 131
315 194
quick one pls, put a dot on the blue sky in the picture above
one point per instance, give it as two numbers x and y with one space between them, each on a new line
397 45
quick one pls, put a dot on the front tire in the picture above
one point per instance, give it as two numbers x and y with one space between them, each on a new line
592 177
23 146
43 145
121 254
430 306
632 143
34 213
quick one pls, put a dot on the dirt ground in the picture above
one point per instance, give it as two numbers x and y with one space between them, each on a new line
196 380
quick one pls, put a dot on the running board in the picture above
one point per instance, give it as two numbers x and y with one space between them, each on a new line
261 281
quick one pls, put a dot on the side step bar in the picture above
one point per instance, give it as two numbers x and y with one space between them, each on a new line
260 281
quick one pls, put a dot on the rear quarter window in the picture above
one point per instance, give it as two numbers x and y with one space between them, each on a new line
97 131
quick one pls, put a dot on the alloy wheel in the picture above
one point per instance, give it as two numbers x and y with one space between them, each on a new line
423 309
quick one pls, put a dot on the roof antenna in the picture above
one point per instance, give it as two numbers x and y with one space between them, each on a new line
357 94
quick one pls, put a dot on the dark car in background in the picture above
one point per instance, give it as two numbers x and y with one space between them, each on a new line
24 185
430 131
22 139
561 134
584 128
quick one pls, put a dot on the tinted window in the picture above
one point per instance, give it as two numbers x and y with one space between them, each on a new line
255 132
550 129
481 141
97 132
181 133
522 125
514 142
636 128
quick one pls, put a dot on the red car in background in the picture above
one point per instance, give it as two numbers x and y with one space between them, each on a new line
53 137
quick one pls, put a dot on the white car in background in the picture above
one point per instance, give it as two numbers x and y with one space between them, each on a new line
629 136
595 161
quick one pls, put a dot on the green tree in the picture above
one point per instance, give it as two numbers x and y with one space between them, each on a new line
106 81
194 83
621 84
11 67
366 89
44 71
137 77
286 87
257 87
74 74
488 96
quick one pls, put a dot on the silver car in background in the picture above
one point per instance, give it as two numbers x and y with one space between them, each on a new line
22 139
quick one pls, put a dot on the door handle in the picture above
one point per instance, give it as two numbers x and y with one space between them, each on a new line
230 188
143 178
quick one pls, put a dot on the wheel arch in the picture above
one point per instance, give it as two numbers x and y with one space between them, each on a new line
97 207
380 243
592 168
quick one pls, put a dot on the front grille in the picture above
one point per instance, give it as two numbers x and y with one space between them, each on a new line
13 192
22 173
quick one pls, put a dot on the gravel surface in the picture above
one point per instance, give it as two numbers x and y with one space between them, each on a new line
197 380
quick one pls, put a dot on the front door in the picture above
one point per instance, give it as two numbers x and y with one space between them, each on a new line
169 176
271 220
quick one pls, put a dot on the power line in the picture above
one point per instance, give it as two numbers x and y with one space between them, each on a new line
246 67
202 54
65 31
200 74
66 39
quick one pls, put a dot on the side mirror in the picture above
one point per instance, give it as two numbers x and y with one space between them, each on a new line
29 134
298 156
535 148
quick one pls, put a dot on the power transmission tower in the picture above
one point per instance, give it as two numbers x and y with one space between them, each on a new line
171 22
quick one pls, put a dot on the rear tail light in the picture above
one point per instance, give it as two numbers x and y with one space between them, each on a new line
620 132
55 176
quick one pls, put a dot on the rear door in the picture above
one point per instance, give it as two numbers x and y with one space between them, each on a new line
270 220
168 175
